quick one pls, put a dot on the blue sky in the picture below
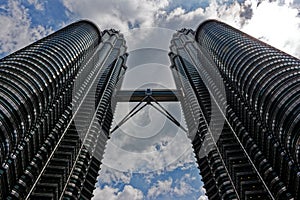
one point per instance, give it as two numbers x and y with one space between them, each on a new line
149 163
25 21
149 24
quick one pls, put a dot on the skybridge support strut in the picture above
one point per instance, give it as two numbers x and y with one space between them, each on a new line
148 97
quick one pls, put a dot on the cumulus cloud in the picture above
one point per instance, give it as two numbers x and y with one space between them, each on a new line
160 188
109 175
159 145
183 188
37 4
275 22
17 30
179 17
171 188
203 196
113 194
153 185
117 14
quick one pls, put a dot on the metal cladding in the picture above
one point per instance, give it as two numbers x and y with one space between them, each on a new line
257 153
33 77
48 142
267 78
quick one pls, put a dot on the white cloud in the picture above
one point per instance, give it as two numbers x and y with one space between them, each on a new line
203 196
276 24
16 27
180 18
37 4
183 189
177 12
117 14
183 186
149 160
159 146
130 193
109 175
160 188
105 193
171 189
113 194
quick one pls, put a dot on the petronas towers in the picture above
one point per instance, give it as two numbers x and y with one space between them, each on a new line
240 98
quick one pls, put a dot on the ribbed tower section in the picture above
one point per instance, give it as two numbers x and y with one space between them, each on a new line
226 170
264 94
46 89
255 153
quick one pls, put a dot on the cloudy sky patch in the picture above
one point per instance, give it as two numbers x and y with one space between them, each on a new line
269 21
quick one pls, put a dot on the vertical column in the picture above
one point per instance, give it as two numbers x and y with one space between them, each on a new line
36 92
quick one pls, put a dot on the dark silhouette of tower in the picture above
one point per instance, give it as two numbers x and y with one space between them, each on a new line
242 104
240 98
55 112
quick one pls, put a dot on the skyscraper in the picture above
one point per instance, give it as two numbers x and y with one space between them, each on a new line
239 97
242 109
55 112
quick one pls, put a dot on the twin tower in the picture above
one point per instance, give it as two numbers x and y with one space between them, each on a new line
240 98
